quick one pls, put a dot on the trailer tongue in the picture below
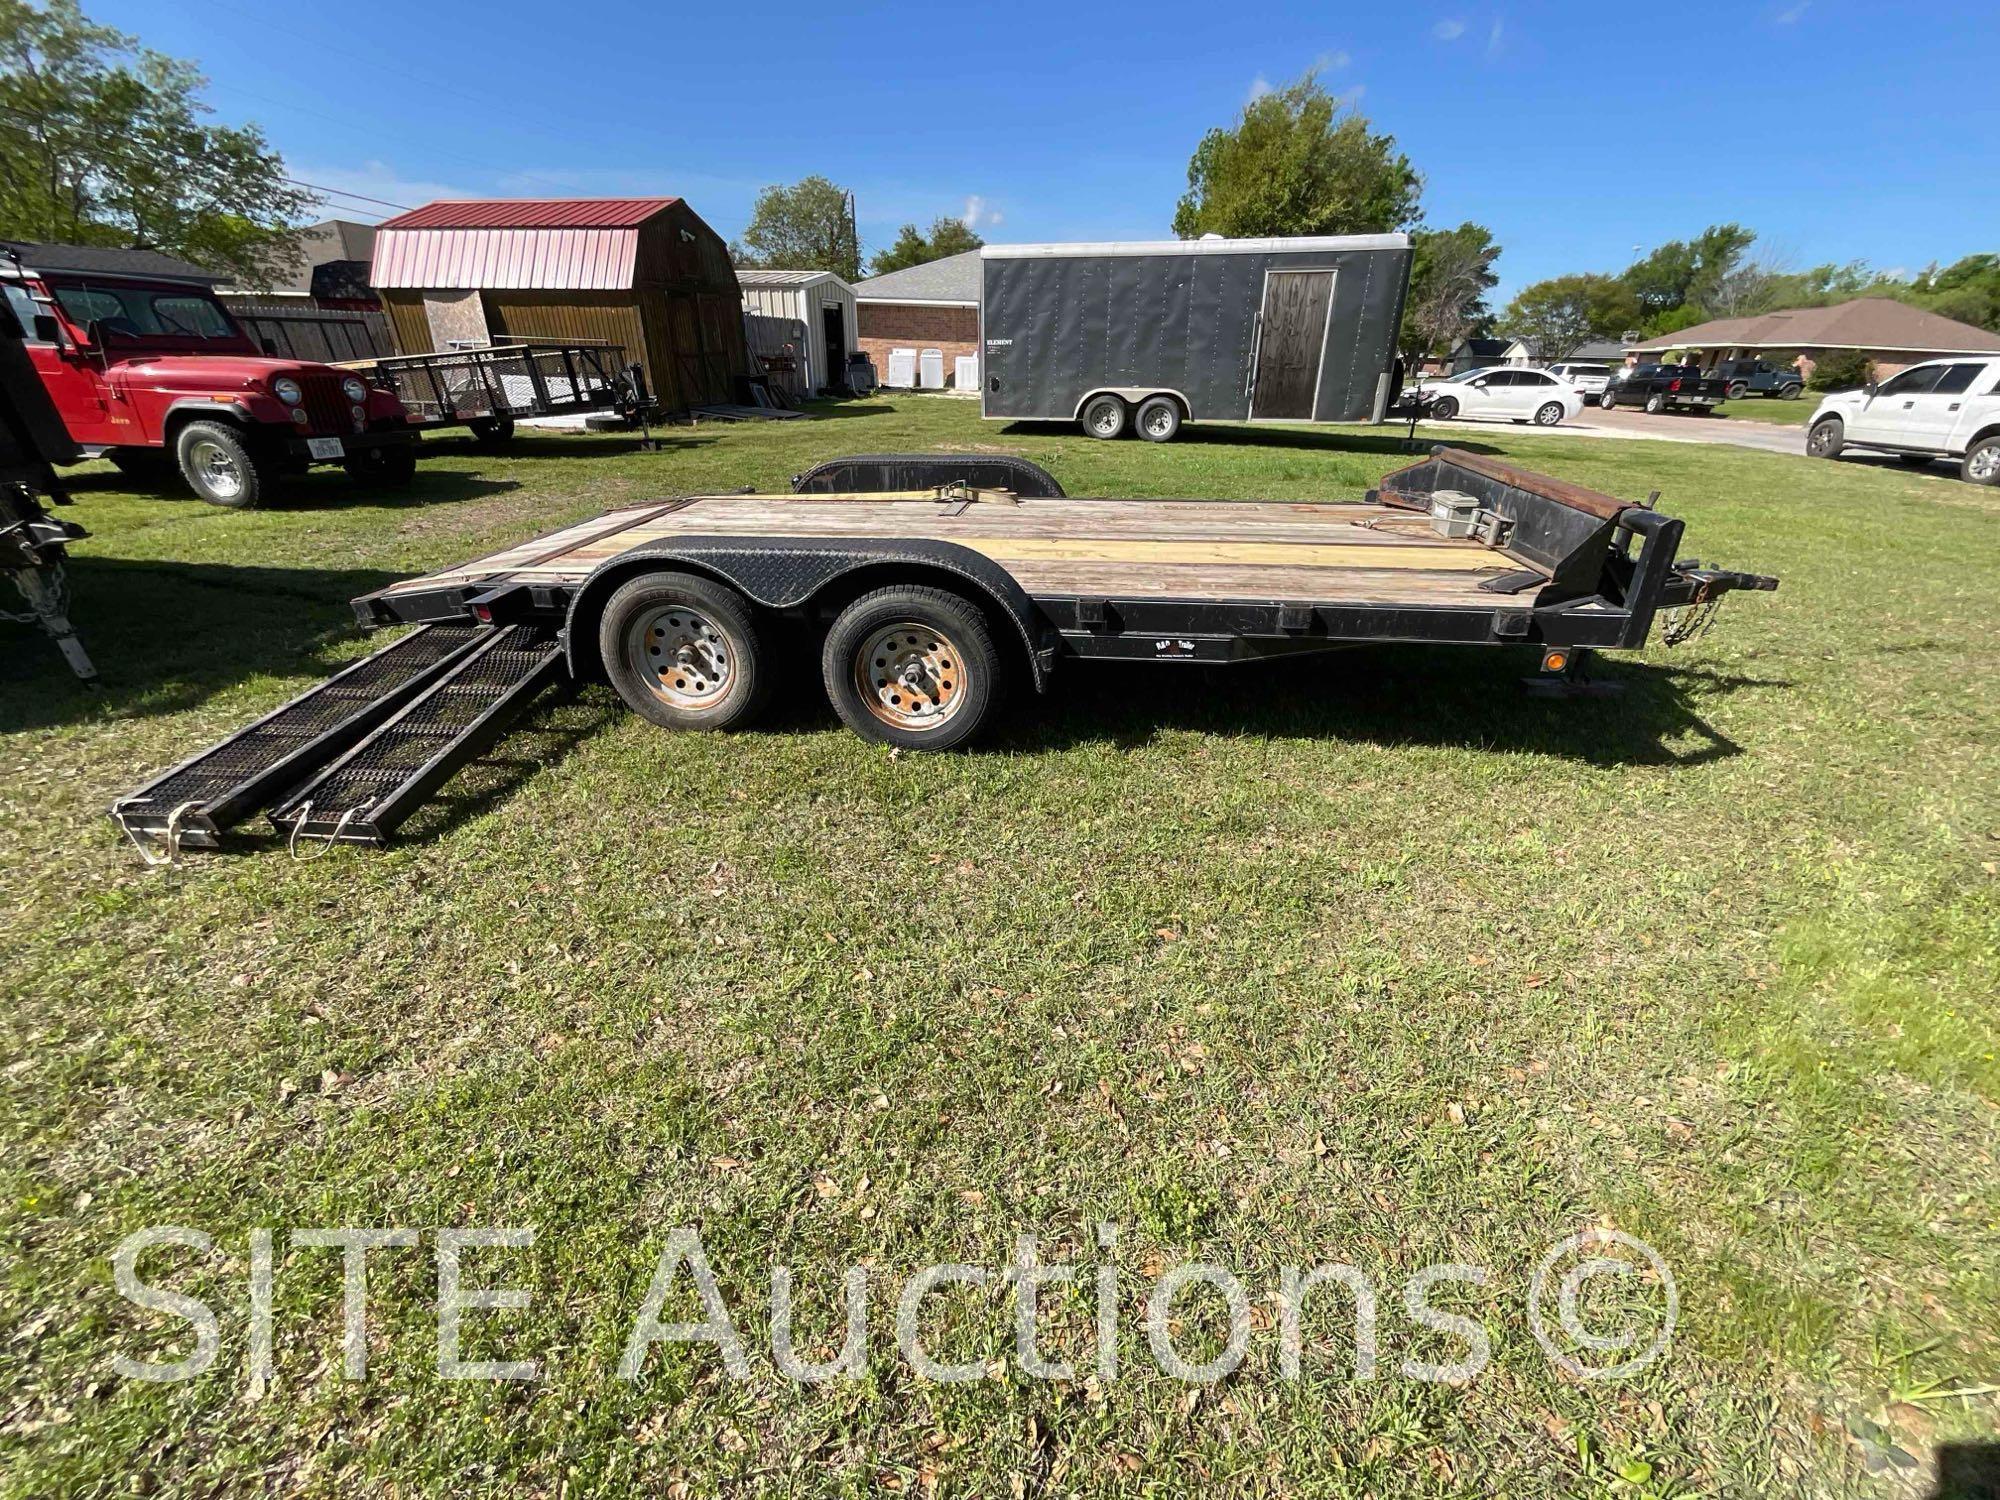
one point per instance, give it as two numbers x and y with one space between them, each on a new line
926 597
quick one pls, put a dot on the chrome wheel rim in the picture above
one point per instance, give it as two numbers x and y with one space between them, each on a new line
1104 419
680 656
1159 422
910 676
1984 464
217 467
1821 439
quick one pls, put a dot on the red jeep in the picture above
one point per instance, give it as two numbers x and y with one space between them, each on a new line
157 373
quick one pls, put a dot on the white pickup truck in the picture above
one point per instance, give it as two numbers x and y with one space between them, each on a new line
1943 408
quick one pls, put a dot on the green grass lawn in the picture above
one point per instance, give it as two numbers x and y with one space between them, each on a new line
1771 409
1370 958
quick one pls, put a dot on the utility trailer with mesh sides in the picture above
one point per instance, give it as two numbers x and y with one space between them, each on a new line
926 601
489 389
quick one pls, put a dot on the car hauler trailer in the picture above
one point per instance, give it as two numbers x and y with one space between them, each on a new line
1146 335
489 389
928 600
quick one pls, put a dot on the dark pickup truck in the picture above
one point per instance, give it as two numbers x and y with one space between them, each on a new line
1663 388
1757 377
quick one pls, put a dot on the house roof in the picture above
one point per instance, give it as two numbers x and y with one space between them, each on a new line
1865 323
108 260
1484 347
953 281
331 241
531 213
759 276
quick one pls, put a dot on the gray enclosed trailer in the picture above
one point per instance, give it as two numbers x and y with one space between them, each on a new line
1145 335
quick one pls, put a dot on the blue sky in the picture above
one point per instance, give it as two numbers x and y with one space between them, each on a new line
1837 130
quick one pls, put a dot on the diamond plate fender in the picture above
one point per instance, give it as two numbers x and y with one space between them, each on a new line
788 572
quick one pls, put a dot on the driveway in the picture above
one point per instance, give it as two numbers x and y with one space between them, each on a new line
1621 422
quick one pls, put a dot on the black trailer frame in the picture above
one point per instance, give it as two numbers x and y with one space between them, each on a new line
1248 330
510 380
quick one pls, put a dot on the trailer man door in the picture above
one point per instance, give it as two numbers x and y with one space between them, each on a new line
1291 343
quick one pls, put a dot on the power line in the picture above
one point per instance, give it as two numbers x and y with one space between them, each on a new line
343 193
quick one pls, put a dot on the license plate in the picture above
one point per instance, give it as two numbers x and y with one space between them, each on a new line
326 447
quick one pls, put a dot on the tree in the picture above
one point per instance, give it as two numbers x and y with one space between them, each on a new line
1967 289
1451 271
1687 272
1552 317
102 143
804 227
1297 162
948 236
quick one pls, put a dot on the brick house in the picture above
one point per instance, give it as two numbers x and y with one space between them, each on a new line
932 306
1893 335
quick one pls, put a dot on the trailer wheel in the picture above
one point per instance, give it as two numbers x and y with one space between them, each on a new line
1827 438
219 466
1158 419
684 652
912 667
491 432
1104 417
390 468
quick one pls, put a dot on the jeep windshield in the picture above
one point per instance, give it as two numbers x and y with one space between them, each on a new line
146 313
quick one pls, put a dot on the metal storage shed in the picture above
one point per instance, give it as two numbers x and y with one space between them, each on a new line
645 274
818 299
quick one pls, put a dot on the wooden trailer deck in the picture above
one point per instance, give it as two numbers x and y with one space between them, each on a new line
1211 550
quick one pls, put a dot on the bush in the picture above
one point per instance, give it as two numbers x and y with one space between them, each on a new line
1842 370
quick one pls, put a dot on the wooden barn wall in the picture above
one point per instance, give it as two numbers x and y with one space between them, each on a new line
571 318
408 326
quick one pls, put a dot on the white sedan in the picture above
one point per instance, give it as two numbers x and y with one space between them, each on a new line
1510 392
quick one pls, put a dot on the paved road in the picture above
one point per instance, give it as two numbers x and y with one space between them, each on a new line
1594 421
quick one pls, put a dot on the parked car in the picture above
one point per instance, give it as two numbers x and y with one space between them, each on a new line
1590 379
1757 377
1661 388
1944 408
1510 392
157 375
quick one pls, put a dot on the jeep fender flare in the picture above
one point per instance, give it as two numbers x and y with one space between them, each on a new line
779 573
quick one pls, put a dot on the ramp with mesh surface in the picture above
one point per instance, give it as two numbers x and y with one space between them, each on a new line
365 794
226 783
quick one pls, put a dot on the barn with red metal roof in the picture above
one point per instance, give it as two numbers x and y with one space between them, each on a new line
644 274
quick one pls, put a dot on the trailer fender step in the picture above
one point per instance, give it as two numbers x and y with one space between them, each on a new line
368 792
194 802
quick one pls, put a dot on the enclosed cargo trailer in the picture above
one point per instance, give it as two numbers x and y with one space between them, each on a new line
925 597
1146 335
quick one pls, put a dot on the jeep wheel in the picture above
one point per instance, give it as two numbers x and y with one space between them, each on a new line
1792 392
219 466
912 667
1982 462
1827 438
1737 390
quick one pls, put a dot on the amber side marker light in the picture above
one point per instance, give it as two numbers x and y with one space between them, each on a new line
1554 661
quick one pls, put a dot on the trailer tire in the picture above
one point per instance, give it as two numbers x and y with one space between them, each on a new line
390 468
912 667
491 432
1104 417
684 652
1827 438
1158 419
220 467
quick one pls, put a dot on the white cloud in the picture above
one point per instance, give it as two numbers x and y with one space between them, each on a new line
1791 14
1331 62
1448 30
1493 37
1259 87
979 214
